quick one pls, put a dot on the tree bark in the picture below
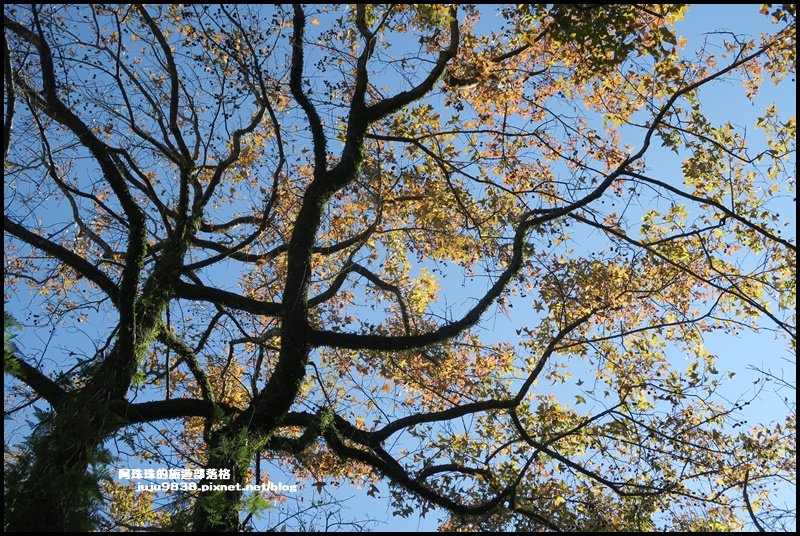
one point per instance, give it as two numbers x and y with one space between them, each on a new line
56 489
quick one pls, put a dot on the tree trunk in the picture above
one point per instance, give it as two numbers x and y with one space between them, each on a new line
53 488
217 509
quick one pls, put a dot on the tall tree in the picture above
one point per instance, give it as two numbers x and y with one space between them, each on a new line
292 230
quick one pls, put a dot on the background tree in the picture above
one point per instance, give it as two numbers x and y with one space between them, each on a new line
288 231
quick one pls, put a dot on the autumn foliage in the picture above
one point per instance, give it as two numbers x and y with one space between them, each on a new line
485 256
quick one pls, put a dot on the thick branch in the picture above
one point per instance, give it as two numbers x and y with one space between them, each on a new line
404 98
175 408
452 468
296 87
228 299
188 355
296 445
443 333
38 381
81 266
11 99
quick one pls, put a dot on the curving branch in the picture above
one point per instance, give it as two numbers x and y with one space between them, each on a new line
166 148
269 406
175 86
11 99
188 355
49 102
617 487
50 165
749 506
296 86
355 268
81 266
471 79
235 252
452 468
391 469
729 291
485 405
391 105
443 333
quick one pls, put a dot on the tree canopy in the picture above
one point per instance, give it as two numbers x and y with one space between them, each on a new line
498 259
